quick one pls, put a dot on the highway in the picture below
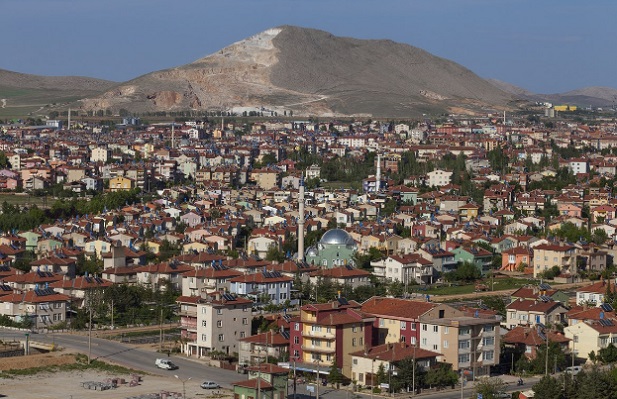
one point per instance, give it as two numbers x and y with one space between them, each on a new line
141 359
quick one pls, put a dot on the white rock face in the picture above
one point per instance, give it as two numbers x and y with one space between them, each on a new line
257 49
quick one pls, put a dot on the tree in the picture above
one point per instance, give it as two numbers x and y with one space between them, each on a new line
489 387
608 355
381 374
548 388
335 376
465 272
404 375
275 254
441 376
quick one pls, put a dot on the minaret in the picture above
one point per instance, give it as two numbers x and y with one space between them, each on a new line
173 136
68 125
301 221
378 174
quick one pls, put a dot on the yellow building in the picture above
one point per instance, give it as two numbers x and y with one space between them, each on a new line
562 108
121 183
328 333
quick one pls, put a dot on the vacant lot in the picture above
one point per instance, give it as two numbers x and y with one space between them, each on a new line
68 384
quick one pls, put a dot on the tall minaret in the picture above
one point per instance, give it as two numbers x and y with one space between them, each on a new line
301 221
378 173
173 134
68 124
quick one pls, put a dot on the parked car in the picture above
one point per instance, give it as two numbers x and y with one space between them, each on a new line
210 385
573 370
165 364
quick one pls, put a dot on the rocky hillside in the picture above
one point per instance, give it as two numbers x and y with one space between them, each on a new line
310 72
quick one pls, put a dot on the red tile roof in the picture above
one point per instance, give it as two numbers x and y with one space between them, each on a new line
396 308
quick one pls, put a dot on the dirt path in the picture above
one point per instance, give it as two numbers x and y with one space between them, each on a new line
443 298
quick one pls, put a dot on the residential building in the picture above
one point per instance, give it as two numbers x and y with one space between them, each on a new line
548 255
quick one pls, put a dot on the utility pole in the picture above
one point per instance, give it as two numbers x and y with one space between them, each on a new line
413 379
546 360
295 383
90 337
462 383
112 314
161 331
317 361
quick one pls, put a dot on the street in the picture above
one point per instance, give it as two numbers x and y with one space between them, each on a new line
143 359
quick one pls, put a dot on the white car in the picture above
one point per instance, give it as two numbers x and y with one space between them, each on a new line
165 364
210 385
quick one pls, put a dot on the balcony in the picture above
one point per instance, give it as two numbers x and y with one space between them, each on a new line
319 349
188 313
318 334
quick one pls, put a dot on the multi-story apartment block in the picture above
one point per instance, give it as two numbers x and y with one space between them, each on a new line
438 178
43 306
548 255
213 322
326 334
526 312
468 343
271 287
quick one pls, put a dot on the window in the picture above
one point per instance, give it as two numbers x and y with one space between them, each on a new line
434 347
528 348
245 321
219 311
424 327
204 337
354 341
445 344
204 323
413 326
297 326
296 340
354 328
603 342
463 331
488 355
413 340
403 339
221 337
242 334
435 328
463 344
203 310
355 361
488 341
403 325
489 328
382 322
219 323
424 341
296 353
463 358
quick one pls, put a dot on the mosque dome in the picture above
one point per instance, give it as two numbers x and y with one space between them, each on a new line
337 237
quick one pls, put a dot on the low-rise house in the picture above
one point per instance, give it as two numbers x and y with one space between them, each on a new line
527 312
527 340
266 287
258 348
367 362
44 307
346 276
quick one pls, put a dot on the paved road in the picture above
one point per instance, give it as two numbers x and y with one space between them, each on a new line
143 359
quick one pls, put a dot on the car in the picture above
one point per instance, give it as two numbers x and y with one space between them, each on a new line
503 395
165 364
573 370
210 385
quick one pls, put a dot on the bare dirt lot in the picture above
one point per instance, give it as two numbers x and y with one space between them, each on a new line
68 385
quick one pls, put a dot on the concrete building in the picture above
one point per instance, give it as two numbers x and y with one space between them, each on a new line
213 322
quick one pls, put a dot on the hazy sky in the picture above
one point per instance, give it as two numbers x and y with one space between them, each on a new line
545 46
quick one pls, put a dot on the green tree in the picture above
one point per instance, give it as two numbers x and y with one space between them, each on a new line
548 388
608 355
465 272
489 387
335 377
441 376
275 254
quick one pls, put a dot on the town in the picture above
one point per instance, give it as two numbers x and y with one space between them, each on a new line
393 256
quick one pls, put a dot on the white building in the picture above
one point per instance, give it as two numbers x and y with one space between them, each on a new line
271 287
439 178
100 154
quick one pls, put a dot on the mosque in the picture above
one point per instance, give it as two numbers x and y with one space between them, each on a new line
336 248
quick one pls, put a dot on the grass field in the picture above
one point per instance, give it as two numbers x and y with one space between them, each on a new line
20 199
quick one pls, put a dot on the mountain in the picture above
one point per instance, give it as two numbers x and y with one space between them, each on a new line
20 91
309 72
595 96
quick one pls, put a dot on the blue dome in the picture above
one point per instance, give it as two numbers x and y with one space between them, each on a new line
336 237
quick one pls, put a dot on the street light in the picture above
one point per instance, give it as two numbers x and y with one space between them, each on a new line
184 381
317 361
295 380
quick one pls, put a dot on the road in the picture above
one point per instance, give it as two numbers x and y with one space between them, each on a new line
143 359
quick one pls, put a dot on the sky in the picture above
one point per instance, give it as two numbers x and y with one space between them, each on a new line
544 46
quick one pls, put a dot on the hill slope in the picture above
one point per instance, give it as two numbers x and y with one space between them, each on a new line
310 72
24 91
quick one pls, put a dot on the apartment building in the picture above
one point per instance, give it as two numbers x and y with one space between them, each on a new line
548 255
326 334
526 312
213 322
